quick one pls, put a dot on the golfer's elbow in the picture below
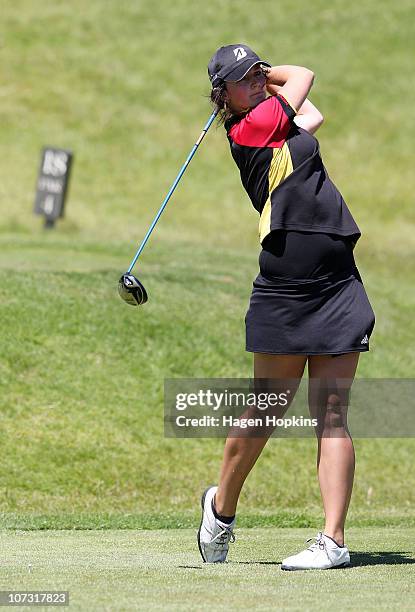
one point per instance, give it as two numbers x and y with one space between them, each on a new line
319 120
307 76
310 75
317 123
310 121
297 87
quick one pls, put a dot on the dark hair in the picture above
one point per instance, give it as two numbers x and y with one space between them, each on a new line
217 97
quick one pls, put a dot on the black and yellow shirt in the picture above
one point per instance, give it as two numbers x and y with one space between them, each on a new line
283 173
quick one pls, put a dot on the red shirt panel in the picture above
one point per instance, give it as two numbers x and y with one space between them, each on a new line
266 125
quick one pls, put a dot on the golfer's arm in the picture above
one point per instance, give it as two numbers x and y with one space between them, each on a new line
308 117
295 82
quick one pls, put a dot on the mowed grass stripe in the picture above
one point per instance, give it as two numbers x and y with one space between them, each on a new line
310 517
126 570
82 387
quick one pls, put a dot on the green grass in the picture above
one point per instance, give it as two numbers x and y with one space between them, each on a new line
158 570
81 375
283 518
126 88
82 389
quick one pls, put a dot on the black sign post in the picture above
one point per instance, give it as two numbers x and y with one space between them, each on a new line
52 184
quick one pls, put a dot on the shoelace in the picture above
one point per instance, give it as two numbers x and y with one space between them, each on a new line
319 543
224 536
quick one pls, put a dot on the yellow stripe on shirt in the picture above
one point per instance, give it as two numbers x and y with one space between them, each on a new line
281 166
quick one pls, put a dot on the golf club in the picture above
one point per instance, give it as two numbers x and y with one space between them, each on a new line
129 287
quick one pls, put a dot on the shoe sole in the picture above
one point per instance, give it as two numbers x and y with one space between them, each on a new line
286 568
202 503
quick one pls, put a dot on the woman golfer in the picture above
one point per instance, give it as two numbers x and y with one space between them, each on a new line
308 304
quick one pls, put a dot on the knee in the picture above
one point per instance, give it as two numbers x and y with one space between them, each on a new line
334 413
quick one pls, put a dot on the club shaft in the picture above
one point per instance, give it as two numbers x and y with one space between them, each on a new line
172 188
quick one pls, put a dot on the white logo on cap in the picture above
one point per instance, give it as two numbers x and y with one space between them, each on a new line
239 53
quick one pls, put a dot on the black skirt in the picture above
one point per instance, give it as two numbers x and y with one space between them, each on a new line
308 298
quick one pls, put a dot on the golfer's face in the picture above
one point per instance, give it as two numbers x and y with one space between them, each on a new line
248 92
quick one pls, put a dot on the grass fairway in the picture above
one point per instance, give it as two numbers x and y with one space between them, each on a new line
82 388
159 570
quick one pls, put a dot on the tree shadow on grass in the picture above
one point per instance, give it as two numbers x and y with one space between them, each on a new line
384 557
358 559
230 563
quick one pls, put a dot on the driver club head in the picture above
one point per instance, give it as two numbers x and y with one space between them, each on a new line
131 290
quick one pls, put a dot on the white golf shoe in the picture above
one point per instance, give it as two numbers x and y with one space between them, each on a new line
323 554
213 536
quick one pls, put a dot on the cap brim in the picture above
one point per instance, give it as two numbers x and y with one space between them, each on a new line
240 71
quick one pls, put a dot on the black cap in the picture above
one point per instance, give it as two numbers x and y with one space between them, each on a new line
231 63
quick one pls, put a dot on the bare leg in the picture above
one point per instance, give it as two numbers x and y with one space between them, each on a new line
240 454
335 457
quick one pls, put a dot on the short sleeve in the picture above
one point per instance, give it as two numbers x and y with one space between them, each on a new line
266 125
